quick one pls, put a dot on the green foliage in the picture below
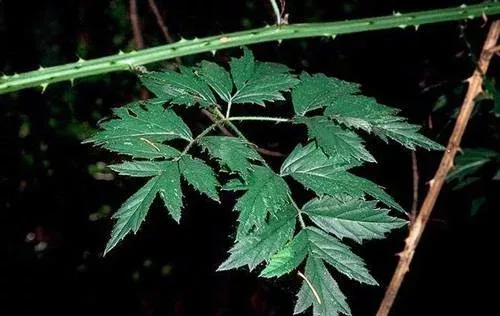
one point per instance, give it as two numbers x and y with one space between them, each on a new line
200 176
267 193
259 246
267 229
336 141
133 212
317 91
328 175
365 113
323 293
146 122
348 217
473 166
231 152
257 82
179 88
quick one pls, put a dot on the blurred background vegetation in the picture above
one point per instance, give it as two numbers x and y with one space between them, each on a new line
58 196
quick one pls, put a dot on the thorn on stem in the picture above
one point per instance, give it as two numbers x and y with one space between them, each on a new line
44 87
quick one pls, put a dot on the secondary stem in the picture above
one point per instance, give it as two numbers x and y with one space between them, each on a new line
194 140
235 129
299 212
258 118
228 111
223 119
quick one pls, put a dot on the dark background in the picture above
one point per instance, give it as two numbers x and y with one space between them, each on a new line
57 197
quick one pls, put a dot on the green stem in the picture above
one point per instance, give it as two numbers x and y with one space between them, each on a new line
125 61
236 130
259 118
299 212
228 111
197 138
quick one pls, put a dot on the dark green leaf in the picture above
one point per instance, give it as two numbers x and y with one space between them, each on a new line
234 184
133 212
336 141
231 152
469 162
200 176
140 168
318 91
251 250
217 78
267 193
169 188
257 82
182 87
366 113
141 147
288 258
242 68
345 216
338 255
331 299
476 205
151 124
327 175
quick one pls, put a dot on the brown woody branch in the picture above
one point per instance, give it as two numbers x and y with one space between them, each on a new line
417 228
161 24
136 25
138 38
415 178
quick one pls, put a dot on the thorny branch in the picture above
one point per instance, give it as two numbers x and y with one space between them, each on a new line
417 228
